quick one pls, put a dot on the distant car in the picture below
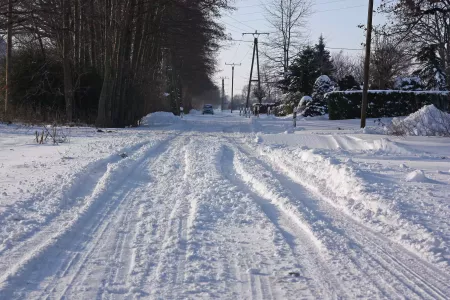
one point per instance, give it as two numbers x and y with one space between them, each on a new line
208 109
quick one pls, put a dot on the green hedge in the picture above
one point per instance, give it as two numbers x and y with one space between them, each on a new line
347 104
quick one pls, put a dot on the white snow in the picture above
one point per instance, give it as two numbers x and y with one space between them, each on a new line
323 79
225 207
194 112
416 176
428 121
160 118
407 83
304 100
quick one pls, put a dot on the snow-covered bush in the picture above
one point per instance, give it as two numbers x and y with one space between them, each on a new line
318 106
288 102
413 83
428 121
303 104
347 104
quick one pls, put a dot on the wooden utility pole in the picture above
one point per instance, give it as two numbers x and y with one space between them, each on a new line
9 106
256 34
223 91
367 65
232 82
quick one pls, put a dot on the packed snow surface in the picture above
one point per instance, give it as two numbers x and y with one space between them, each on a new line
224 207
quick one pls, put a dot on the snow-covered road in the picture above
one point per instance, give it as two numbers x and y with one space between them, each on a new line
205 209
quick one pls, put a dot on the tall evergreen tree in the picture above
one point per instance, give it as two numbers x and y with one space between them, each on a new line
303 71
432 71
323 58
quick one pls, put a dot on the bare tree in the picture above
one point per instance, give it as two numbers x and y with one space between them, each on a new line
136 51
424 24
269 83
288 20
9 106
344 65
389 59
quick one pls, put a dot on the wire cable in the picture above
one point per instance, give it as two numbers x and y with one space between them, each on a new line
236 51
250 48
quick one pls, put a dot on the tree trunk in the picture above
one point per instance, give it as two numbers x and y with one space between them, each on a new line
68 81
9 105
77 43
92 36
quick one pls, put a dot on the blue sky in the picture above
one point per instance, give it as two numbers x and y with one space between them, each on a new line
337 20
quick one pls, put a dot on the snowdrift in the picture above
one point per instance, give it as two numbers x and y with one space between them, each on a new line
428 121
352 190
160 118
194 112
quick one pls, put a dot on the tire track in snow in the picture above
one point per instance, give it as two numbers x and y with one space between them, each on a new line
171 211
275 188
216 259
116 264
54 246
104 233
101 233
130 278
391 254
307 257
152 224
358 237
68 193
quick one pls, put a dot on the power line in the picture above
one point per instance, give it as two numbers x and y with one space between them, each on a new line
314 4
342 8
236 51
241 23
319 11
233 30
333 48
334 1
350 49
250 48
232 25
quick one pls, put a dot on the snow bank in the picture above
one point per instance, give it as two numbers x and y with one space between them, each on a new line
428 121
160 118
374 130
348 188
416 176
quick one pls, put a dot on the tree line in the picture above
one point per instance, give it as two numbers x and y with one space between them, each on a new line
108 62
410 52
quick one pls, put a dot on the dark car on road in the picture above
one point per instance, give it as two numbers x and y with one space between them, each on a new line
208 109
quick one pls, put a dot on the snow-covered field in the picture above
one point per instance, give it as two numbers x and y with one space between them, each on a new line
223 207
